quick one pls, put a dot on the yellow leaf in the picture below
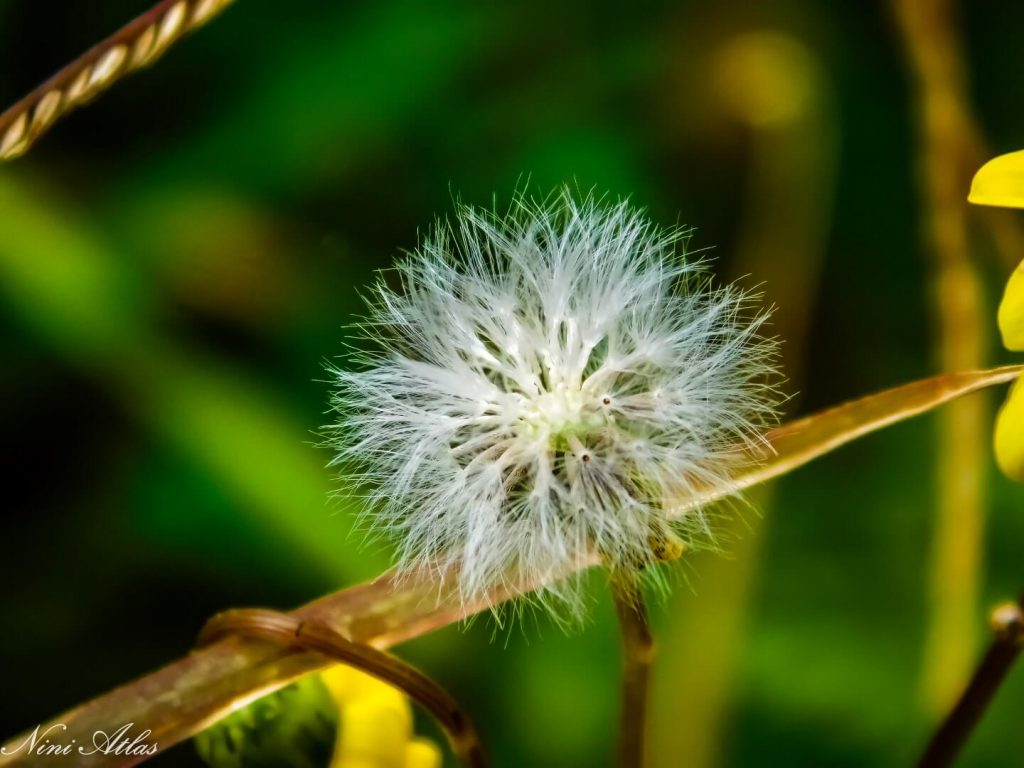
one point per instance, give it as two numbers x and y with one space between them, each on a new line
1009 437
1011 311
1000 182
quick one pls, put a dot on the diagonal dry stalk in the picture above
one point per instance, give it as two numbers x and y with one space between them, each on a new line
136 45
188 695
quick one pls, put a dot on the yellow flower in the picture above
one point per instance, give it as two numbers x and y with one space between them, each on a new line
1011 311
1009 438
341 718
1000 182
375 727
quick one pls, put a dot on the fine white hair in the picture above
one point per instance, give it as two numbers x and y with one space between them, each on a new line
549 387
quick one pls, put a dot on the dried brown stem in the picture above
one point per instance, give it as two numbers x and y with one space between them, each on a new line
637 657
190 694
1007 622
136 45
291 632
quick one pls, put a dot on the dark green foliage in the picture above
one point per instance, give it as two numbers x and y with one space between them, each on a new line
293 727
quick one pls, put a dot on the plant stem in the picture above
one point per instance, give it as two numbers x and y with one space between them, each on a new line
135 45
1007 622
637 656
291 632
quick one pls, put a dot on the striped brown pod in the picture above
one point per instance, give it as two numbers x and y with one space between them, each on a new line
136 45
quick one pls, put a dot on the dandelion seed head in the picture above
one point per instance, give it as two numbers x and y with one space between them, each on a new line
546 388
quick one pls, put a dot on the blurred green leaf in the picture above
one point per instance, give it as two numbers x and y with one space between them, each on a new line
72 292
295 727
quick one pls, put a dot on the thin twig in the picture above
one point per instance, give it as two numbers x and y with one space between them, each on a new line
291 632
637 656
1007 622
136 45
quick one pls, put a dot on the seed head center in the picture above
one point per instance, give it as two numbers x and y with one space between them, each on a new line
560 411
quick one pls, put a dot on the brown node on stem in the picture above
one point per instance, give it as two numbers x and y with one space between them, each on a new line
1007 622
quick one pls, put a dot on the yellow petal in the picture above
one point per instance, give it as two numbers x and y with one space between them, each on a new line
1000 182
372 734
1009 437
422 754
1011 311
348 684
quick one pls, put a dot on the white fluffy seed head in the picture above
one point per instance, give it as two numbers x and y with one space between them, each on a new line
549 387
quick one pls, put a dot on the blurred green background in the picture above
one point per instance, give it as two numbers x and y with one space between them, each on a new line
178 260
